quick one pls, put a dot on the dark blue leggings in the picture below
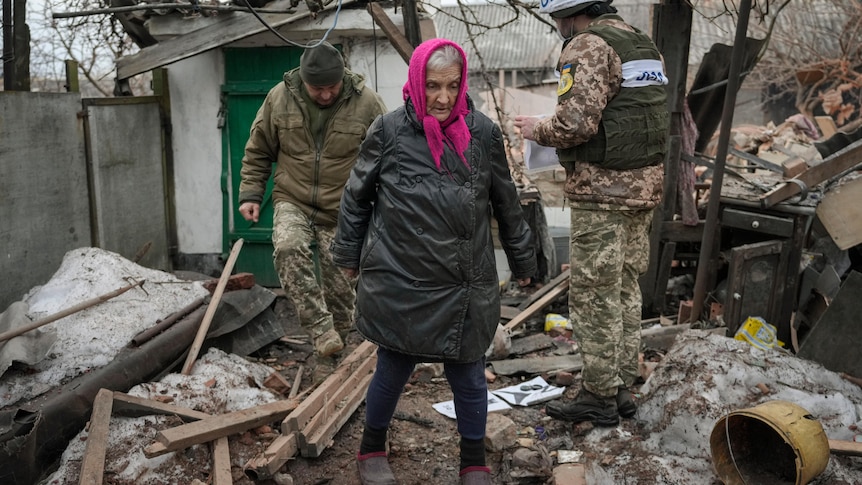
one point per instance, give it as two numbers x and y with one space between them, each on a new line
467 381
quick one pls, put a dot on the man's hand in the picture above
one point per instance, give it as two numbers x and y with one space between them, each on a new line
250 211
524 281
526 124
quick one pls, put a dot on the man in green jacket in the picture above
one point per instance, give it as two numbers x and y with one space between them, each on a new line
309 128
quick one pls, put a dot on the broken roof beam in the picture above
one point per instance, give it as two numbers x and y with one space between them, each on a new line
560 289
833 165
398 40
211 37
267 464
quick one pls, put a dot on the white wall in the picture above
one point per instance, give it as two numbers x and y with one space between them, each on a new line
386 72
195 85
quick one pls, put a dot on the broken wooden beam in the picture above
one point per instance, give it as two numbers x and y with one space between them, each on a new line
139 406
306 410
214 427
211 309
221 474
564 276
396 38
93 463
545 300
266 465
831 166
336 410
846 448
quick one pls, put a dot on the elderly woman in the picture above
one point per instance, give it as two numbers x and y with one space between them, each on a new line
415 227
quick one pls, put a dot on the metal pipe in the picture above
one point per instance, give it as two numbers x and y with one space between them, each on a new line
704 262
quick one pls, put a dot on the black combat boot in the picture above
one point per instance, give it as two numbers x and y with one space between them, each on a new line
625 404
601 411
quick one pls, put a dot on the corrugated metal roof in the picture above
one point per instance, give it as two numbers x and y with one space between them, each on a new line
512 39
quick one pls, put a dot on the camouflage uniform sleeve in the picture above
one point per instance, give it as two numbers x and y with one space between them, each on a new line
590 75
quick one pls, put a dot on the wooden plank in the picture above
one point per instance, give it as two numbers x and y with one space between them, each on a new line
563 276
93 464
335 401
508 312
306 410
827 126
267 464
541 303
841 214
321 436
833 165
139 406
221 462
214 427
236 28
846 448
396 38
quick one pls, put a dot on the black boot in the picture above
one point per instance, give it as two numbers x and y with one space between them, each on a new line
602 411
625 404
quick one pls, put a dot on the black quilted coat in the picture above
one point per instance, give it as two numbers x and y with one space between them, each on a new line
428 283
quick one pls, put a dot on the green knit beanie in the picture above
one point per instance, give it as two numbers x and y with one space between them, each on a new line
321 65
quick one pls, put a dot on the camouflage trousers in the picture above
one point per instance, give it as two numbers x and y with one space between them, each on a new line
609 251
324 298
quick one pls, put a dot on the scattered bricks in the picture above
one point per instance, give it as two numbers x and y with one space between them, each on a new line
277 383
239 281
564 379
500 432
570 474
715 310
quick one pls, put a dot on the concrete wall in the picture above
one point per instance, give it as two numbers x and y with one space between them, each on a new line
195 86
43 196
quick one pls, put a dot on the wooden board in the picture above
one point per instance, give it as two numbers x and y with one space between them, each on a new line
221 462
267 464
214 427
306 410
318 438
93 464
840 211
846 448
138 406
539 304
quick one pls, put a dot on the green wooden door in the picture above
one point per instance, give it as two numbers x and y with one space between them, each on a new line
249 74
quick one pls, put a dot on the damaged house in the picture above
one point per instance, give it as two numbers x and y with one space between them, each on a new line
165 356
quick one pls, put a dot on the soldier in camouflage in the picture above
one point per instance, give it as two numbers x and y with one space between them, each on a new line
610 129
310 126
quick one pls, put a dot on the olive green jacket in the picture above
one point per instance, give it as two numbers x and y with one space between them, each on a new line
308 175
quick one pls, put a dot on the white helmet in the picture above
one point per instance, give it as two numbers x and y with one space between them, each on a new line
565 8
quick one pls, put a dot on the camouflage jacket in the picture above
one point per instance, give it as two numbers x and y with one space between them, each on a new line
309 176
596 77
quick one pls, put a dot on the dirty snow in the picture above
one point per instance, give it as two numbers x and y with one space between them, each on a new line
92 337
219 383
703 378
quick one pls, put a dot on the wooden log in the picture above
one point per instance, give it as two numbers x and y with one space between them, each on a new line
93 464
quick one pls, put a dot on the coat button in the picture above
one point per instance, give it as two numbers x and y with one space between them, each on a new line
419 231
467 185
416 284
464 284
418 179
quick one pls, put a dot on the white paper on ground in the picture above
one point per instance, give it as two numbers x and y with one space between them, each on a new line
494 404
530 392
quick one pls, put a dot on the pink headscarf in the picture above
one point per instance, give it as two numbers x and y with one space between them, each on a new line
455 130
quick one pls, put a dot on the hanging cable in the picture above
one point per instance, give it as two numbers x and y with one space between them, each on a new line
288 41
